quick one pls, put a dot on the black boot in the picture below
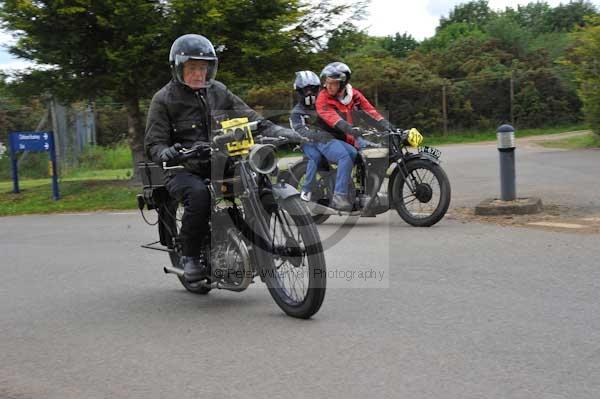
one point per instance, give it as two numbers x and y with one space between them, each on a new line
194 268
341 203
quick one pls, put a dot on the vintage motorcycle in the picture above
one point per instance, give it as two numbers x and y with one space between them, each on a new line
418 188
258 228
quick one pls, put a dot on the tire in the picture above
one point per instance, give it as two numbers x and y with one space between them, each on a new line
305 252
321 194
424 193
194 288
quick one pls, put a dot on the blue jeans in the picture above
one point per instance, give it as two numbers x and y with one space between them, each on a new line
364 143
335 151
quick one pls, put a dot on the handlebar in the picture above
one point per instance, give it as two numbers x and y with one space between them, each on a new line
218 142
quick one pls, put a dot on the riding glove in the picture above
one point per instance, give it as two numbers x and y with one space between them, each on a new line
170 153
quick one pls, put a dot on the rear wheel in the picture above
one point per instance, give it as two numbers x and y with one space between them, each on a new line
297 278
321 192
422 198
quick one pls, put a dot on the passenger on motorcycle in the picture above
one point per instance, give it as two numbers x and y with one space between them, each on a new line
184 112
322 143
339 104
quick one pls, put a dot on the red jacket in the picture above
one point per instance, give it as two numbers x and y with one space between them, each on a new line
330 111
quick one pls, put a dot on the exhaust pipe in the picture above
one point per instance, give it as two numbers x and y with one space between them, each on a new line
179 272
173 270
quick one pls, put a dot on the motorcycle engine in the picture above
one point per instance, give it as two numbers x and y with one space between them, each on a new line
231 262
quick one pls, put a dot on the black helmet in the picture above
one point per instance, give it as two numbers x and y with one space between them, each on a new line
192 47
307 85
338 71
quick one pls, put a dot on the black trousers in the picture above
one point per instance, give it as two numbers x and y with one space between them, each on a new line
190 190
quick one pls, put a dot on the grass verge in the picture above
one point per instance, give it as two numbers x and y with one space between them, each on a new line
76 196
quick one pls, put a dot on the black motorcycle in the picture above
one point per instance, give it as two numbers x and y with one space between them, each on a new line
258 228
418 188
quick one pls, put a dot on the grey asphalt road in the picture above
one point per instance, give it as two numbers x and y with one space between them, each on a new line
467 310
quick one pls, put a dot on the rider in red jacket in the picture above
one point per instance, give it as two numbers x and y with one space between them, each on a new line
339 104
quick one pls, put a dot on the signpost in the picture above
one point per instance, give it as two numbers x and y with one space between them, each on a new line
33 142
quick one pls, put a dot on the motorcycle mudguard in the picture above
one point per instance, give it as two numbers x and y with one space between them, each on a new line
424 156
420 155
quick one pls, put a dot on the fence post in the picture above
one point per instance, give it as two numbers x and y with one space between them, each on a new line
444 110
512 97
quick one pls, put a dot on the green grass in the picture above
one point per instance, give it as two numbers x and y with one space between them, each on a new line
473 137
588 141
76 196
118 174
98 157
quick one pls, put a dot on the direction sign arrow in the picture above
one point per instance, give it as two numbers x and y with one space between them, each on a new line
46 146
45 136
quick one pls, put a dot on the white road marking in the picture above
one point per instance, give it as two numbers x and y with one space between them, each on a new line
561 225
592 219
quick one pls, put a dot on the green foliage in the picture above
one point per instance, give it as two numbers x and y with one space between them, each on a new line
509 35
449 34
475 13
400 45
404 90
111 123
18 114
566 17
105 47
584 59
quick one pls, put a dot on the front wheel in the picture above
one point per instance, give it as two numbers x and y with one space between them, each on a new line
423 196
297 277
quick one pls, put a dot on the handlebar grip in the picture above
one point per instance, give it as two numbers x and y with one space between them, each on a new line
224 139
237 135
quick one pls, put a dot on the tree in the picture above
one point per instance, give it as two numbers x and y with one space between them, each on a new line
400 45
532 16
565 17
108 47
585 60
475 13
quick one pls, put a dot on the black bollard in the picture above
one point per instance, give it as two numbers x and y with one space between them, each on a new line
506 147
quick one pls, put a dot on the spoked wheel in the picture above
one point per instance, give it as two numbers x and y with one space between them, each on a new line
421 199
298 277
321 192
175 256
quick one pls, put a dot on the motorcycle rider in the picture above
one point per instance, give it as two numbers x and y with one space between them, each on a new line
184 112
322 143
340 103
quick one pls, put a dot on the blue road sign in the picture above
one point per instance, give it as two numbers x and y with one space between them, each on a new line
33 142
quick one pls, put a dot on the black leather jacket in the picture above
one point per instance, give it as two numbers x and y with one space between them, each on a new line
179 114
